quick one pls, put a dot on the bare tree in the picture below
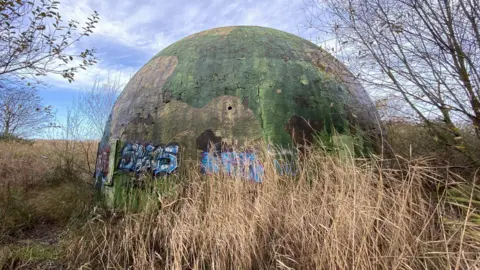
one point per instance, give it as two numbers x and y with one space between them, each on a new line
22 112
69 145
95 104
35 41
427 52
75 137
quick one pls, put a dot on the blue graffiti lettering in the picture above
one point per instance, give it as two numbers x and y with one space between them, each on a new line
158 160
165 159
240 164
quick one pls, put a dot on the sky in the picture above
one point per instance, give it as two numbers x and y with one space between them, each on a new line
130 32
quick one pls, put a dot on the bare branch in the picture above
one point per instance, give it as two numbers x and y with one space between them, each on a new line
35 41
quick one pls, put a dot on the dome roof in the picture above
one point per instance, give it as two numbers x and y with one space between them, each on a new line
234 85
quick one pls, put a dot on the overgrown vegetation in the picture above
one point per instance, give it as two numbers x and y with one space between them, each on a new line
40 199
415 140
415 212
422 55
337 214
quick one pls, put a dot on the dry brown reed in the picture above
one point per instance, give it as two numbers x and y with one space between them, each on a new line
37 184
336 213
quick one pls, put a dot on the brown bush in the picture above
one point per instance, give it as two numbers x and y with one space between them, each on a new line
411 140
36 185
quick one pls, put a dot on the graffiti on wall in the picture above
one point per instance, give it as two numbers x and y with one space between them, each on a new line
287 168
246 164
284 161
101 167
237 164
158 160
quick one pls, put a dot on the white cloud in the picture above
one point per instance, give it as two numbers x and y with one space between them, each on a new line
122 22
149 26
84 79
137 23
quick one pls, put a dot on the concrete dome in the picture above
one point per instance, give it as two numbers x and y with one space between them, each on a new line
234 85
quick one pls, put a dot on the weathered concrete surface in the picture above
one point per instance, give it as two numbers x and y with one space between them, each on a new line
142 97
241 84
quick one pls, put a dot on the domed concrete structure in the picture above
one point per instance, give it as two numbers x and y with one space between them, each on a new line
238 85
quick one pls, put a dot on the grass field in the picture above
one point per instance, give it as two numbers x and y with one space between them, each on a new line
337 213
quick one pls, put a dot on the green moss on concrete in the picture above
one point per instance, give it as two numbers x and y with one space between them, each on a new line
279 75
255 62
129 194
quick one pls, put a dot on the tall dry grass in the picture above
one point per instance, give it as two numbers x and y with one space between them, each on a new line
28 164
415 140
43 181
337 213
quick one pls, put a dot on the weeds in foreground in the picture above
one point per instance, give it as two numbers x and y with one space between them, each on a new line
336 213
36 186
40 199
